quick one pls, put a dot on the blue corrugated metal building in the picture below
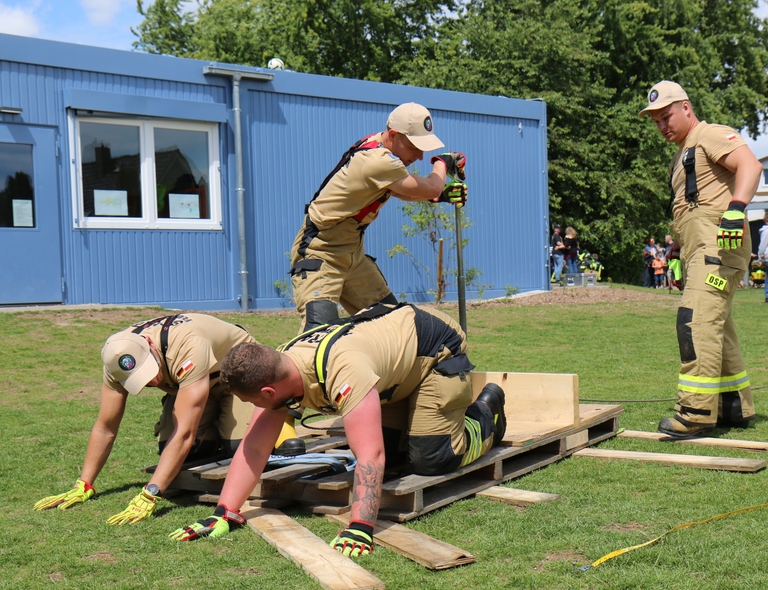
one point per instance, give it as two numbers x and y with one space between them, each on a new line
119 178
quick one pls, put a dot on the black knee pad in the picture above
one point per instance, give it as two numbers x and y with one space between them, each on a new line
320 312
228 447
685 335
390 300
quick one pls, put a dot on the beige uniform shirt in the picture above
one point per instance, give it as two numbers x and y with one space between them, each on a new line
380 353
356 186
715 182
197 343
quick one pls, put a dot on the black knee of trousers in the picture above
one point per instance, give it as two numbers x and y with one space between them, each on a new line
395 454
320 312
200 449
228 447
685 335
432 455
390 300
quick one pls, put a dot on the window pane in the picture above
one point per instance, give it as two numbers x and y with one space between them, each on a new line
181 170
111 170
17 191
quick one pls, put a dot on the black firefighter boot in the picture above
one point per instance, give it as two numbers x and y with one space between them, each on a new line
492 396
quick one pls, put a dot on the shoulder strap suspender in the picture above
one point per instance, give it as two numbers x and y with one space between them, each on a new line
340 327
167 323
363 144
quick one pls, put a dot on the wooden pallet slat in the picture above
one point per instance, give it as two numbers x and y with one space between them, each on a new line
328 567
517 497
704 462
419 547
746 445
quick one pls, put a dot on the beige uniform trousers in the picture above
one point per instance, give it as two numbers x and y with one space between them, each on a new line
333 266
713 381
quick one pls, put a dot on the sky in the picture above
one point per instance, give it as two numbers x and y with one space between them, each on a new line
107 23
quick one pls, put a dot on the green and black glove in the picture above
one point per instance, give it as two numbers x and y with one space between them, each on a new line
454 193
214 526
80 493
141 507
731 230
454 164
355 540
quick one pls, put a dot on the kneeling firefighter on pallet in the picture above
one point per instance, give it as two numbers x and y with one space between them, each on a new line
399 378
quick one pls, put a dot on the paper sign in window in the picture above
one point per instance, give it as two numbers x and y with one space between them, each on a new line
22 213
184 206
110 203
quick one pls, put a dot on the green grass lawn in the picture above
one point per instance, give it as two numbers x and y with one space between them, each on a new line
50 374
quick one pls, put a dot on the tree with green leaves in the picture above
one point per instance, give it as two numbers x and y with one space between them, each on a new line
592 61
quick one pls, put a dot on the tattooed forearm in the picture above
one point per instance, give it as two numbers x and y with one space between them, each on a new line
366 496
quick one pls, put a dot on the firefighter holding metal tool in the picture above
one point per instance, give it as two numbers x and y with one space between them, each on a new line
328 261
399 378
713 177
180 355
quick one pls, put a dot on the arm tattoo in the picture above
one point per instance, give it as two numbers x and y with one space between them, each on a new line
367 489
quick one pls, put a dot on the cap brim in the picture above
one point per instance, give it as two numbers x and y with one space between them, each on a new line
426 143
141 375
656 107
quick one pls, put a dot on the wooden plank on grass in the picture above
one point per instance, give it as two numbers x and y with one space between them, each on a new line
428 551
746 445
535 397
517 497
719 463
328 567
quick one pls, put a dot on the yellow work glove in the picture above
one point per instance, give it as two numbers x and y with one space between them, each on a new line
80 493
355 540
731 230
215 526
141 507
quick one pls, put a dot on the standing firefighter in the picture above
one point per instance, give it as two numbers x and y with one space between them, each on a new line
328 261
714 176
180 355
399 378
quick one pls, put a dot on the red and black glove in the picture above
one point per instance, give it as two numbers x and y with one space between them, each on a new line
454 164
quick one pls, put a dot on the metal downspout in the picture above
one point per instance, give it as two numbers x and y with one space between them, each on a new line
240 190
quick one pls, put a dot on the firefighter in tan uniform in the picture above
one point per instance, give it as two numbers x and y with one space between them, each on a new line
398 377
181 355
714 176
328 261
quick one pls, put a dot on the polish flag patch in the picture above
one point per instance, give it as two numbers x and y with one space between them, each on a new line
186 367
343 392
731 137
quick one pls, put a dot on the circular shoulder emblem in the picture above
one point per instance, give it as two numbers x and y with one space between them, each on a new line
127 362
428 124
653 96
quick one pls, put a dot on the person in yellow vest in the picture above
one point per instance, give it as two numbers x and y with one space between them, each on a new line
180 355
714 176
398 377
329 265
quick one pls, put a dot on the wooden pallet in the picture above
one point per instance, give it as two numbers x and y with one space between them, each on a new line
406 496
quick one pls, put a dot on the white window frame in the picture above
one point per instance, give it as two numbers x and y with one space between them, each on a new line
149 220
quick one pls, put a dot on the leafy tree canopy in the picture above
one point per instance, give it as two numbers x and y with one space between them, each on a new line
592 61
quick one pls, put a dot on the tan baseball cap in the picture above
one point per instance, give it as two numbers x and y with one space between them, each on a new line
128 359
415 122
663 94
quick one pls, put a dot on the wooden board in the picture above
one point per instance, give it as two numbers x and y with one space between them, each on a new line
718 463
535 397
746 445
517 497
328 567
428 551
